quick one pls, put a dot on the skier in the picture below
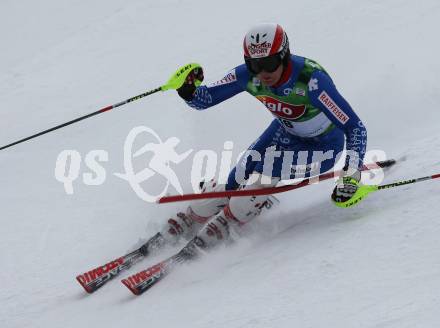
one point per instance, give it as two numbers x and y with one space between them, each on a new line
311 122
310 118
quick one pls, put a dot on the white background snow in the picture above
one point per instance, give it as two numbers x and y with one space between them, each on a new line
307 265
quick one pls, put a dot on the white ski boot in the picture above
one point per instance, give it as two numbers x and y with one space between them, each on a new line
186 225
238 212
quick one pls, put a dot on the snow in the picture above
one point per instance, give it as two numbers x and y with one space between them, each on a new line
308 263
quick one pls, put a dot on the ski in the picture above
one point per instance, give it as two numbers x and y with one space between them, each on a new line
96 278
142 281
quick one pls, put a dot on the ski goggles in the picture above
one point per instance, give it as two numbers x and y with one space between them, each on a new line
268 64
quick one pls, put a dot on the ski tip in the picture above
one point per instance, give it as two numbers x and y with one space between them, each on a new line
128 285
379 164
83 284
387 163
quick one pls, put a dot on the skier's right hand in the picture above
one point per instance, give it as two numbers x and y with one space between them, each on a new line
194 78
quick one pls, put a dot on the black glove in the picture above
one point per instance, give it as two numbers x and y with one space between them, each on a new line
346 186
186 91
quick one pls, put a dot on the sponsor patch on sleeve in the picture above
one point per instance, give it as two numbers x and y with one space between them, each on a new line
313 84
229 78
337 112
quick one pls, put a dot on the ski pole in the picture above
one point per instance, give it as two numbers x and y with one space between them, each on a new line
270 190
175 82
365 190
102 110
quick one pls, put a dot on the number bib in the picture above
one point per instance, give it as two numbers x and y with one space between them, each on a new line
294 111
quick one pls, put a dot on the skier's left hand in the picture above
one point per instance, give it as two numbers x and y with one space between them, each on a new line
346 187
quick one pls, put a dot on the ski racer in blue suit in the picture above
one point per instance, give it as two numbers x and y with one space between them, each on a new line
336 117
311 123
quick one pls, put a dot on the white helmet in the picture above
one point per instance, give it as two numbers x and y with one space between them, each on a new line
264 40
265 47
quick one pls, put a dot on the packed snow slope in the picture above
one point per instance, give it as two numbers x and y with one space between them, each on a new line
306 264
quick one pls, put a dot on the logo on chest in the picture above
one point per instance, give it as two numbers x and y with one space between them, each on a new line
281 108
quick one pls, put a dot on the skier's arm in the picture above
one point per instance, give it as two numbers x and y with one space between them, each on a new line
212 94
324 95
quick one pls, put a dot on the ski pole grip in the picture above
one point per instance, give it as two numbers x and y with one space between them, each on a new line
179 77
